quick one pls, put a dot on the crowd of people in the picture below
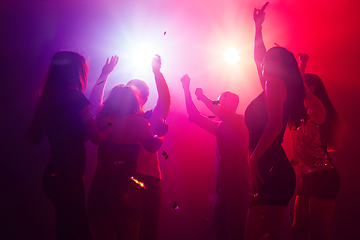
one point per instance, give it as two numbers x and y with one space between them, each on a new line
254 178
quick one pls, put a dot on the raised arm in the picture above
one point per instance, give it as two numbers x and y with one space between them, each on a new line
213 106
231 118
316 109
259 46
193 112
97 92
163 103
302 62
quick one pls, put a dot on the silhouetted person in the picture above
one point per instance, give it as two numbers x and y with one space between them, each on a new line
232 169
63 115
280 104
312 141
114 202
148 169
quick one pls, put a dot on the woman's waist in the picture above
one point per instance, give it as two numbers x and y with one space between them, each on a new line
114 173
305 164
274 155
116 165
117 152
274 147
68 150
58 168
274 150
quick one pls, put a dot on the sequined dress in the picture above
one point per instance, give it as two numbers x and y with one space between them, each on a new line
312 162
310 154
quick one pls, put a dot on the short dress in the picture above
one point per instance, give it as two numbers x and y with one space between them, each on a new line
274 167
312 162
112 191
63 176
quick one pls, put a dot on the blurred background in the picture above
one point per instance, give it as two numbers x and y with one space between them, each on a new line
191 37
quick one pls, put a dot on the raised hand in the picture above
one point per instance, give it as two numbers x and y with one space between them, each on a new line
156 63
302 58
259 15
185 80
199 93
110 65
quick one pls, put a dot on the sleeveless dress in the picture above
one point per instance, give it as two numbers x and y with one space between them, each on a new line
274 167
312 162
112 192
63 177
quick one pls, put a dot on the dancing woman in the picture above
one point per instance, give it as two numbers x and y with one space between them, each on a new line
280 104
63 115
114 203
148 167
312 141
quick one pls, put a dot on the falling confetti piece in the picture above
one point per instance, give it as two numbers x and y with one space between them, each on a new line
99 83
165 155
215 102
164 33
271 169
211 116
253 195
141 184
175 206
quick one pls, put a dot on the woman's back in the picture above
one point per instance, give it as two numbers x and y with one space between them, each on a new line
133 129
65 128
126 130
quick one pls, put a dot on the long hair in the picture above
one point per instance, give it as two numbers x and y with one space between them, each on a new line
295 88
67 70
122 101
332 117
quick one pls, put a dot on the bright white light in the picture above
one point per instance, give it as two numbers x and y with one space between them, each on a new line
143 56
231 55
